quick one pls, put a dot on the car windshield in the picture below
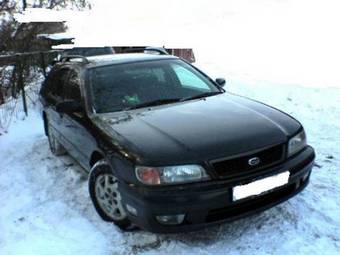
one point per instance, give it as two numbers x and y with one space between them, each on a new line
135 85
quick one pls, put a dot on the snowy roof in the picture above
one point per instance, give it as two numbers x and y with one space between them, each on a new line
56 36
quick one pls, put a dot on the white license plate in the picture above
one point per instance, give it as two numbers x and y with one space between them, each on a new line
257 187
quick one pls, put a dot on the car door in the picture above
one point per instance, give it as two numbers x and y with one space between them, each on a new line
53 94
80 142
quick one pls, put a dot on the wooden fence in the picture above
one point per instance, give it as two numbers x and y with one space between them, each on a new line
20 77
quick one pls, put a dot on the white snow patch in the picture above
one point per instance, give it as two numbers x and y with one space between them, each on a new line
45 207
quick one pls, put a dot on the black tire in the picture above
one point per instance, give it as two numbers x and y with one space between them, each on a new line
55 146
102 169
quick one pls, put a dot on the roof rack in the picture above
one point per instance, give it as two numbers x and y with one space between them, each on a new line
157 50
70 57
147 50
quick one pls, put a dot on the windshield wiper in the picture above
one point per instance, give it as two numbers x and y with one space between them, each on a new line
172 100
154 103
205 94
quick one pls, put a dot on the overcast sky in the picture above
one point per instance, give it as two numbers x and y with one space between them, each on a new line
295 41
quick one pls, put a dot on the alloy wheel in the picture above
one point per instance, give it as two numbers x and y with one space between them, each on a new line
108 196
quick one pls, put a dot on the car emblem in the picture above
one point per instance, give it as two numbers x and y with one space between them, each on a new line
254 161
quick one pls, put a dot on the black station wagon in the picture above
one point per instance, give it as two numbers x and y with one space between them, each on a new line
166 148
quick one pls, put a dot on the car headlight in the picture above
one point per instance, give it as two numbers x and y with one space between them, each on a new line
171 174
297 143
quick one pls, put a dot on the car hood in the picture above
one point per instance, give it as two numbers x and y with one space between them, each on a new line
197 130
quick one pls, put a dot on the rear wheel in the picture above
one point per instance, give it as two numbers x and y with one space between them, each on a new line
55 146
106 197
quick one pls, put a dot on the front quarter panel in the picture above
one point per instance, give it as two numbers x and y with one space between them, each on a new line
284 121
118 151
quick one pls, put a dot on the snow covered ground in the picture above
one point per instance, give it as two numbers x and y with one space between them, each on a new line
44 204
45 207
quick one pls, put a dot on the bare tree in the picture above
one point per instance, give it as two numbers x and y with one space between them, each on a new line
17 37
6 6
22 38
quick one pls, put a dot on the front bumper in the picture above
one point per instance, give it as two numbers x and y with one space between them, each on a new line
211 202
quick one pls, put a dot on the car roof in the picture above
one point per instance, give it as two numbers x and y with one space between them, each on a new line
111 59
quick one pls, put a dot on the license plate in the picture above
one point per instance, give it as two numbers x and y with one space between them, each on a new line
260 186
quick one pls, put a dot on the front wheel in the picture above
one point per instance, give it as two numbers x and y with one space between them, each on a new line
105 195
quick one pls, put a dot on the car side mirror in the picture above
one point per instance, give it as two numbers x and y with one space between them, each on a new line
220 82
70 106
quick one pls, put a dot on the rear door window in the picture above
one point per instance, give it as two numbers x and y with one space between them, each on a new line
72 87
55 84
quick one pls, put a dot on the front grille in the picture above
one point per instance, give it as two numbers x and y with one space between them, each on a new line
239 166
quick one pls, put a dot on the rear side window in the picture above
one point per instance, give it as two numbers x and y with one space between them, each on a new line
55 83
72 87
